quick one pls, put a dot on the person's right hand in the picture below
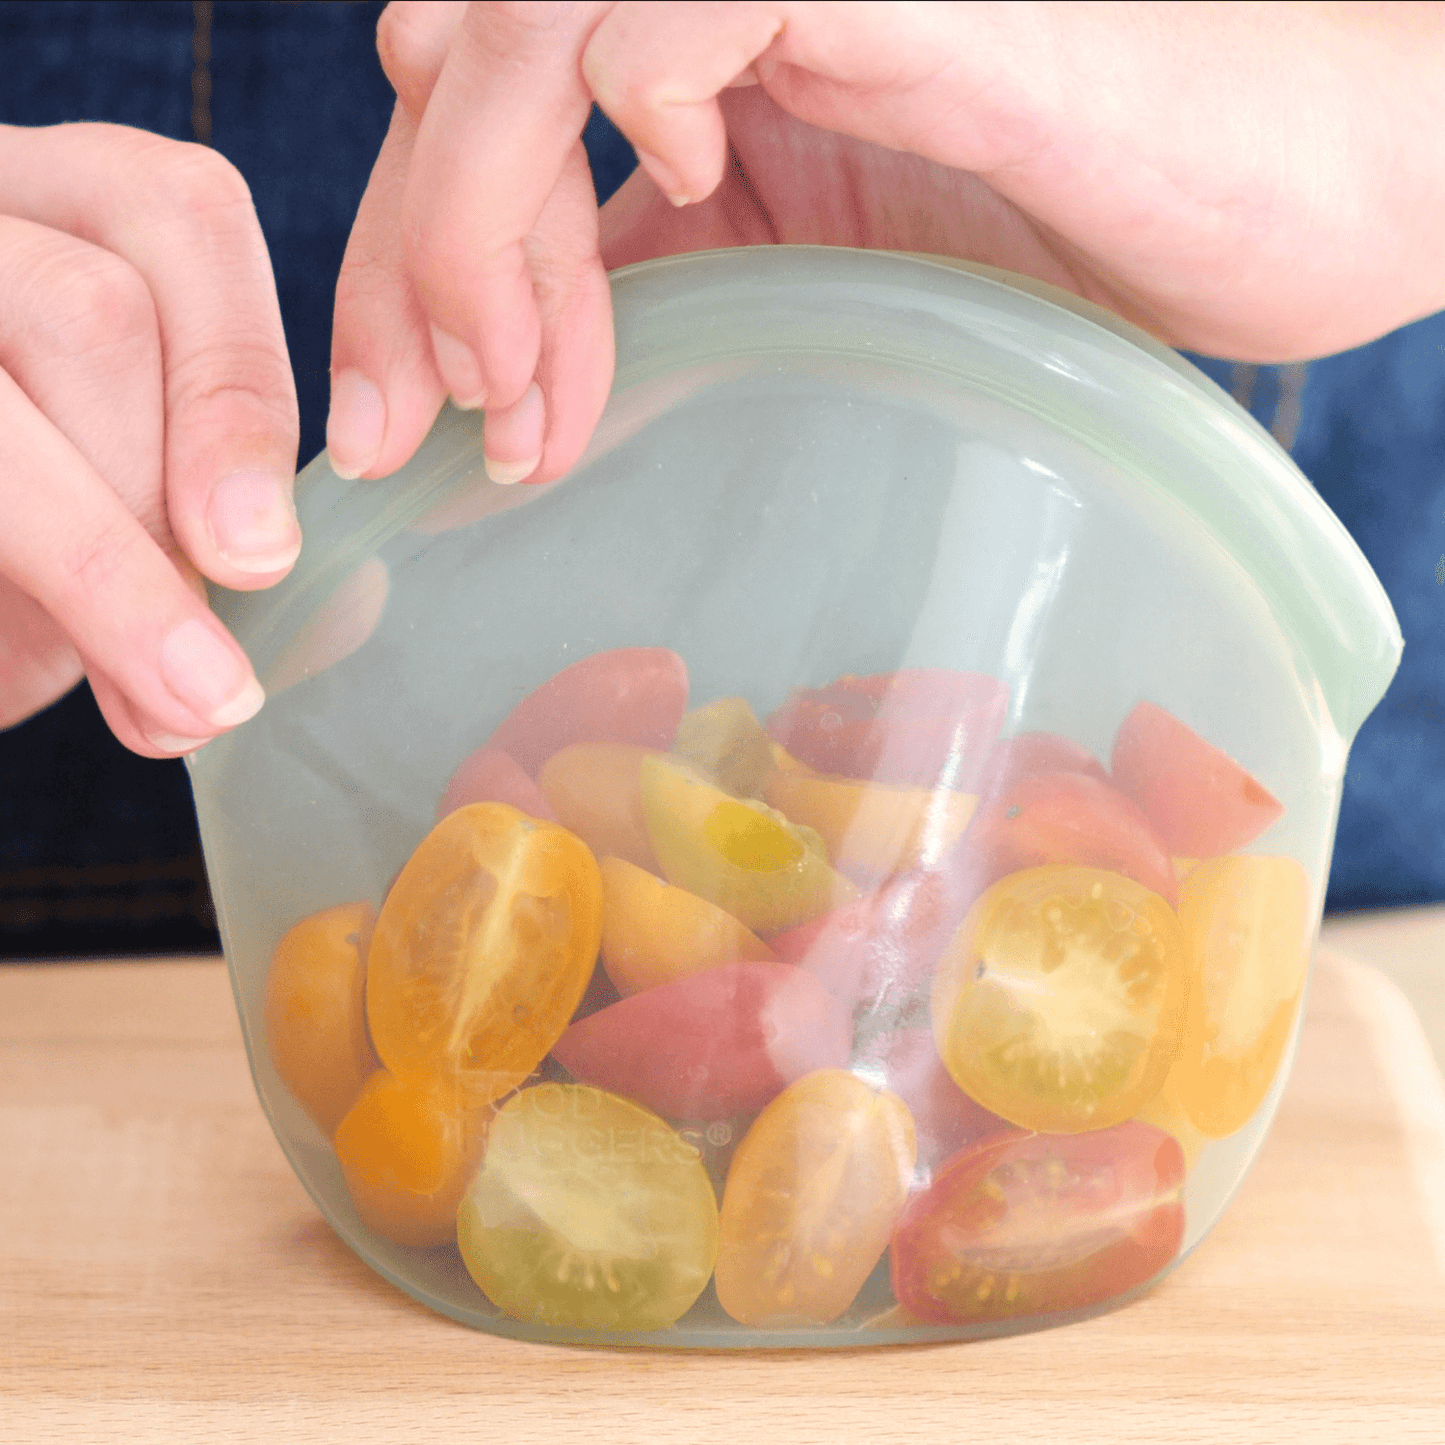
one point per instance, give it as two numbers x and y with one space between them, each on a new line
148 429
1255 181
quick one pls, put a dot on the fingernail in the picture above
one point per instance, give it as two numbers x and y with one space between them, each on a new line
664 178
506 474
170 743
512 438
208 677
356 424
461 373
253 521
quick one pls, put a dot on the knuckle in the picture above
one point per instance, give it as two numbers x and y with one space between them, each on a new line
405 38
96 302
244 377
195 181
96 564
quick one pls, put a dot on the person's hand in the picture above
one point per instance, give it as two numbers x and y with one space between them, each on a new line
1256 181
148 429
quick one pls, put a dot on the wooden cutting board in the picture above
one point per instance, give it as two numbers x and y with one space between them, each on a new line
164 1277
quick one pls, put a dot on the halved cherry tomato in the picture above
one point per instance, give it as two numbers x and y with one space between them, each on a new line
594 789
588 1212
812 1196
881 948
1166 1111
917 727
483 948
1062 818
1060 1002
712 1044
315 1011
407 1148
1247 921
906 1062
1030 1224
872 830
1029 755
741 855
491 776
1201 802
629 695
653 933
726 743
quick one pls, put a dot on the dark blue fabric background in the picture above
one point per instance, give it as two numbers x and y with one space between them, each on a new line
97 847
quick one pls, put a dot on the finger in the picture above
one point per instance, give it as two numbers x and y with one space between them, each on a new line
132 729
385 390
182 217
506 112
38 664
70 543
657 71
541 437
412 39
79 334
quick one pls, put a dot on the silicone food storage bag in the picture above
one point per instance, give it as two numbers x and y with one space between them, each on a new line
842 865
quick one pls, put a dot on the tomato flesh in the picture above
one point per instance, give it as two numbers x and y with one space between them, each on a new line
483 948
653 933
712 1044
741 855
1060 1002
588 1212
491 776
1201 802
1061 818
1247 919
881 948
628 695
812 1194
315 1011
1030 1224
917 727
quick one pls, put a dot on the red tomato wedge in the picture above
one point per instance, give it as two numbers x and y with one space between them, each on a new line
917 727
1031 1224
882 946
1200 801
491 776
629 695
1061 818
906 1062
1028 755
712 1044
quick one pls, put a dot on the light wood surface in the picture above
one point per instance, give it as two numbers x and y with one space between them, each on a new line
164 1277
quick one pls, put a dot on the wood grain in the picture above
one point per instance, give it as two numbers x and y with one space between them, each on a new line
164 1277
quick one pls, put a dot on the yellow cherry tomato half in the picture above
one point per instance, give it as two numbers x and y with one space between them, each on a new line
1247 921
1059 1003
812 1195
483 948
873 830
588 1212
743 856
653 933
315 1011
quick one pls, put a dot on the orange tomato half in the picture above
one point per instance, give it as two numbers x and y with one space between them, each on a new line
812 1195
315 1011
1247 920
408 1148
483 949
